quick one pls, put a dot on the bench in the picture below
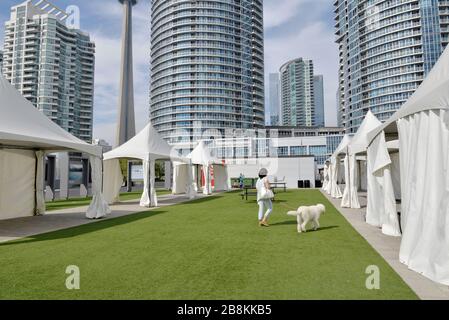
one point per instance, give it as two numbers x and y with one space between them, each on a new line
251 191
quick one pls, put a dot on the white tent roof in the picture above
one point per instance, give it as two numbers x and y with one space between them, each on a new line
147 144
202 155
22 125
433 93
343 146
360 142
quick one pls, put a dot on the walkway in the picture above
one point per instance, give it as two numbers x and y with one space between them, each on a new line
388 248
14 229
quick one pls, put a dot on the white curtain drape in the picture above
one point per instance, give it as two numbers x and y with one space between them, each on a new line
112 180
178 177
183 180
396 174
363 183
195 178
149 197
330 175
207 190
424 157
335 191
325 177
345 201
381 208
190 189
228 179
99 207
153 196
350 195
40 178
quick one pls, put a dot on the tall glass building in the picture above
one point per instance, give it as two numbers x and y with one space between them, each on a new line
297 93
386 50
274 99
207 67
51 65
318 91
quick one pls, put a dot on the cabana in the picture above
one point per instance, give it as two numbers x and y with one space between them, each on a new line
333 188
202 157
26 136
355 150
147 146
422 127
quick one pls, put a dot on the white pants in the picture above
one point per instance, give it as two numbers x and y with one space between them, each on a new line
265 204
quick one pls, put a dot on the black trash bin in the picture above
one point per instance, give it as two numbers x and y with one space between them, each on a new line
300 184
307 184
318 184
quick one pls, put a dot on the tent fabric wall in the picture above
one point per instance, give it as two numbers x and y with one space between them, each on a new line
381 208
424 149
112 180
207 189
145 200
335 191
194 169
396 174
330 175
183 179
99 207
325 176
17 183
190 188
40 179
363 182
180 177
221 178
350 197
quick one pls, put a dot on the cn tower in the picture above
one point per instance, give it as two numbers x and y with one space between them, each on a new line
126 119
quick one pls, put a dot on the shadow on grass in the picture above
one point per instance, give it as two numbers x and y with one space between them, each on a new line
291 223
86 228
201 200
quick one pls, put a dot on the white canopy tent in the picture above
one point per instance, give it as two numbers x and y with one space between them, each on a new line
147 146
358 145
422 126
334 168
26 135
202 156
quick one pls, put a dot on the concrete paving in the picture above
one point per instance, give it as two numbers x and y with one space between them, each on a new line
388 248
14 229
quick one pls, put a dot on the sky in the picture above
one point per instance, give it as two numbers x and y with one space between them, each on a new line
293 28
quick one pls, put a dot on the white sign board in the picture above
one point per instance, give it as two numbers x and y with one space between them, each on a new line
136 172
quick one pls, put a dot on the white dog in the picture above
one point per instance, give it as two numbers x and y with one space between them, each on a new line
305 215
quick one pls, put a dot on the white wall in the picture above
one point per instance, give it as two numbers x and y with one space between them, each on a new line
293 169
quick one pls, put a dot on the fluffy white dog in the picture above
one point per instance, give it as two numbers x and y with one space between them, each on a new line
305 215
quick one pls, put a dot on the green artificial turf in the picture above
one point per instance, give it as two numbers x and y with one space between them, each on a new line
80 202
211 248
